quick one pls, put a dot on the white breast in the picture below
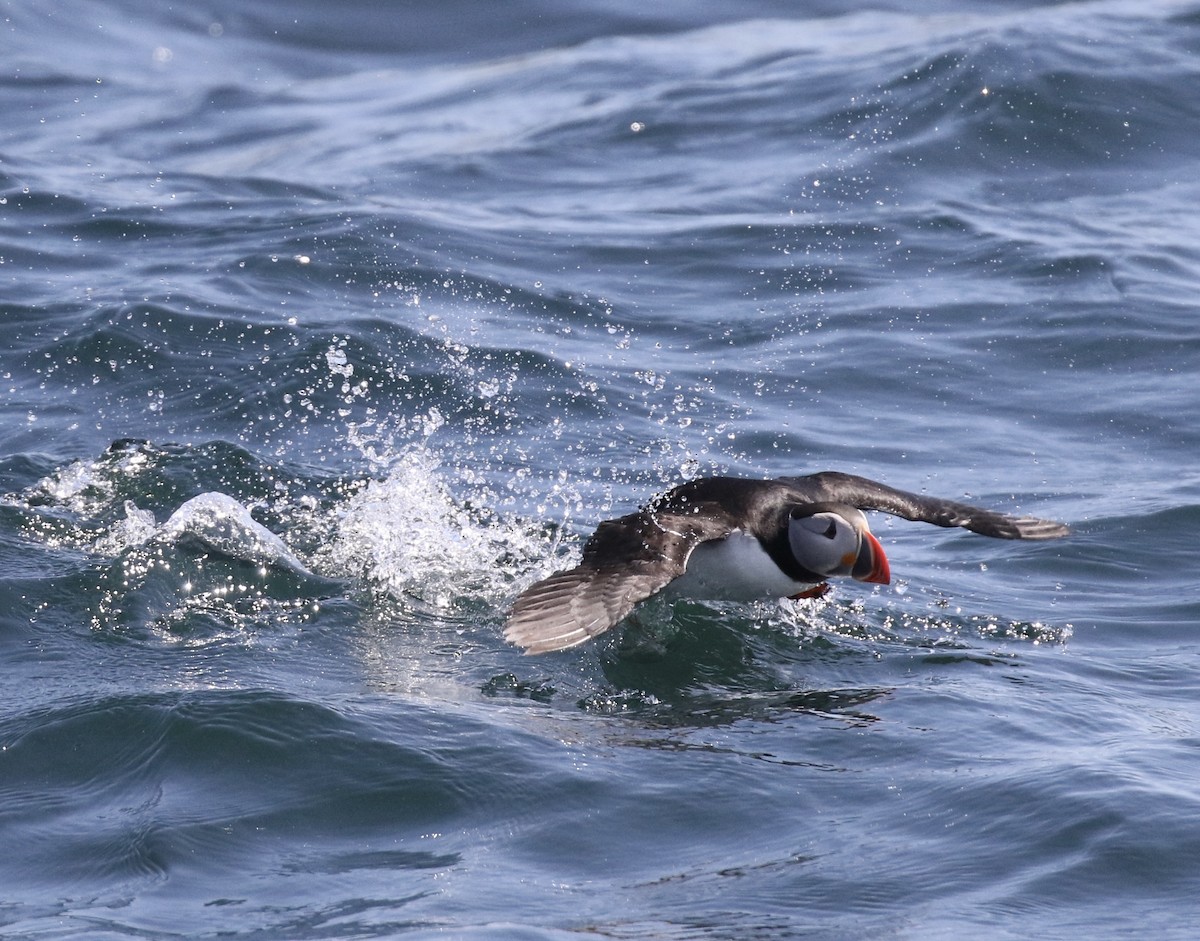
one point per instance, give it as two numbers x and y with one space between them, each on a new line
733 569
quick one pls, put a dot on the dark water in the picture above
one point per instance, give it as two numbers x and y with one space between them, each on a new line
427 290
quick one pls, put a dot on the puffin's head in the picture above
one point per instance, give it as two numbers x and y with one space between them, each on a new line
833 539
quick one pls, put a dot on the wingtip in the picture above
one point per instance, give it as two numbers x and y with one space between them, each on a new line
533 639
545 624
1031 527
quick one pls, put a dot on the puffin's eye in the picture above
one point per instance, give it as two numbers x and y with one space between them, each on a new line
821 525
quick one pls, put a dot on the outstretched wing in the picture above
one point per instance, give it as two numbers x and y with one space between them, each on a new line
834 487
625 562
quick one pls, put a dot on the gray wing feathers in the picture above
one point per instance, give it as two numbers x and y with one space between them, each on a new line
867 494
621 567
568 608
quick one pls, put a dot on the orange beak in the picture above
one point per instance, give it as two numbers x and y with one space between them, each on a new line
871 564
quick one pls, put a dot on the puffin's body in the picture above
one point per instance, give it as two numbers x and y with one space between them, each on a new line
736 539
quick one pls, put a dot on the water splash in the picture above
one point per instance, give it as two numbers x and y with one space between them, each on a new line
415 536
406 534
219 523
85 497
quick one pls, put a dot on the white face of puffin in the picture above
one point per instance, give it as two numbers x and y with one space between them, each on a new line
838 542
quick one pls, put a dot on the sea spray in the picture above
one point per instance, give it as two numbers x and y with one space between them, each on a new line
406 534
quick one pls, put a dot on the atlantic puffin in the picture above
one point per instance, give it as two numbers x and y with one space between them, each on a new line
735 539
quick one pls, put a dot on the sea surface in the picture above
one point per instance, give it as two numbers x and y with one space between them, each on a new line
327 328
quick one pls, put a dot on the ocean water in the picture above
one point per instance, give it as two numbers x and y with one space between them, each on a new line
328 328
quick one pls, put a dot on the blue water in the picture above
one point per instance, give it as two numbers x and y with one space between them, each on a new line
328 328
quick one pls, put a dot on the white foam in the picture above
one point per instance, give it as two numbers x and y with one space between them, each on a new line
406 534
414 530
136 529
222 524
